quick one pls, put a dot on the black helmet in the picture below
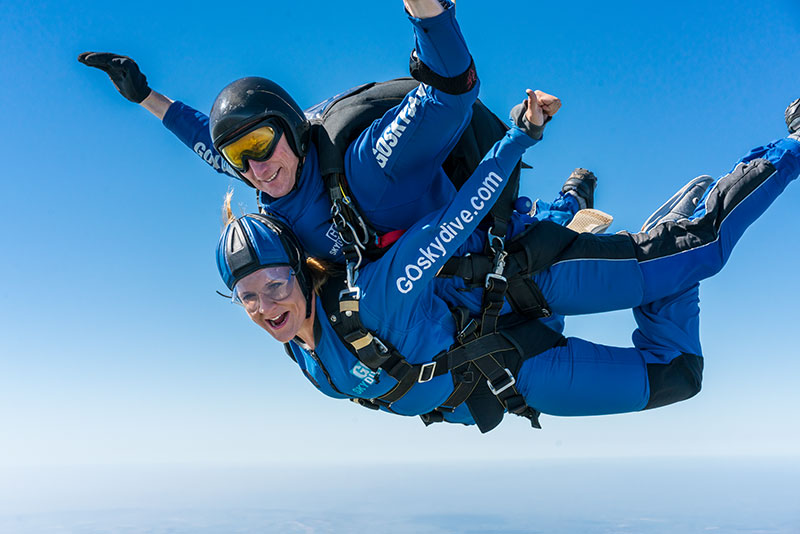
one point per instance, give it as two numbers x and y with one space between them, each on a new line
249 100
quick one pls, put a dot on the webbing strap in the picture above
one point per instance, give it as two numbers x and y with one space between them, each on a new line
501 383
494 293
347 323
522 293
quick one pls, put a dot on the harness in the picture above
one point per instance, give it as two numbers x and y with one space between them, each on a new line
488 350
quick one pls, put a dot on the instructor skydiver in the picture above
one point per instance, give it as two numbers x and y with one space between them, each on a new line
429 365
393 169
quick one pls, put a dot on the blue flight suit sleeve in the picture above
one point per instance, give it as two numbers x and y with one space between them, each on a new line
191 127
394 159
412 263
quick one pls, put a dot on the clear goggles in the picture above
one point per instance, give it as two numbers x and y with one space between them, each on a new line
257 144
268 284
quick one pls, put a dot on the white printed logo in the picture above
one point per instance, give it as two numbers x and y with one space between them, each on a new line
334 236
215 161
448 231
366 374
391 135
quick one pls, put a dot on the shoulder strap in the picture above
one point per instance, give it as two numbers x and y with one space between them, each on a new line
351 113
337 122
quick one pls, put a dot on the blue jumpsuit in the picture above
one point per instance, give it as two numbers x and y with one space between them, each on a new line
657 274
394 167
397 303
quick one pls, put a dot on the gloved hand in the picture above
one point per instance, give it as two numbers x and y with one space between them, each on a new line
123 71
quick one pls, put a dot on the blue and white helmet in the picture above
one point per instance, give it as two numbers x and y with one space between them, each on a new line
256 241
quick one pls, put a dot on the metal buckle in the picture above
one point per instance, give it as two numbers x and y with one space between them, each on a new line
352 277
511 382
468 329
426 372
354 290
383 349
500 261
492 238
342 224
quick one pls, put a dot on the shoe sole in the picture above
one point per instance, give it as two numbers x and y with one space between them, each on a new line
591 221
665 212
792 115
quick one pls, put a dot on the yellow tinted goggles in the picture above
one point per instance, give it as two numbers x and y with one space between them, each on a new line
257 145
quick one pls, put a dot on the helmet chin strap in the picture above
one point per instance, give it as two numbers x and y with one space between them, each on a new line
309 302
298 173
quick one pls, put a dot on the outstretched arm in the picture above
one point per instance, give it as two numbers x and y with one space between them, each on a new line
157 104
415 259
411 141
188 125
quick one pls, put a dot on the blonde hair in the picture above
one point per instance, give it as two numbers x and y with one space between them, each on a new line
227 212
320 272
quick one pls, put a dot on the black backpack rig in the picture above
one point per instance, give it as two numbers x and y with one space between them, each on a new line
489 349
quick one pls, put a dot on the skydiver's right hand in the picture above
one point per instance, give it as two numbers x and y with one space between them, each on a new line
123 71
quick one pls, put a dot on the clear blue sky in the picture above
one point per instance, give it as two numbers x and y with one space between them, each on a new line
114 348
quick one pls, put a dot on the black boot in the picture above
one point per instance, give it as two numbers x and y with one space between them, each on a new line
581 184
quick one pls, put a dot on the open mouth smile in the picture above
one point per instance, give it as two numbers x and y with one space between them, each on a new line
278 321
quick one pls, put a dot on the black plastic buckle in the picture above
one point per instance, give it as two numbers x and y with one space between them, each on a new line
496 282
366 403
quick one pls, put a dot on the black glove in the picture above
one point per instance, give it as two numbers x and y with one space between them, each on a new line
517 116
123 71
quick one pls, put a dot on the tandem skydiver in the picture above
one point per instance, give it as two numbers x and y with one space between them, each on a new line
393 168
422 362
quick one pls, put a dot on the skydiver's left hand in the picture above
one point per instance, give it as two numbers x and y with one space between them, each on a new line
541 107
534 112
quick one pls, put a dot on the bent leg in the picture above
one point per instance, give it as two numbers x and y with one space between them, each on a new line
583 378
668 336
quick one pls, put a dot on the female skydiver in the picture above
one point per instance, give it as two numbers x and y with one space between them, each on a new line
656 273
